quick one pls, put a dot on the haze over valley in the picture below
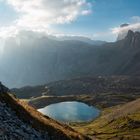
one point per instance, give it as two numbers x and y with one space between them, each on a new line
35 59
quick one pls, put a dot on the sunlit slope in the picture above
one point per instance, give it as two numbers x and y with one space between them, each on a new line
31 116
119 122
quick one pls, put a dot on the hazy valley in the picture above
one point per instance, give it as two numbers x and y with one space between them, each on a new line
40 60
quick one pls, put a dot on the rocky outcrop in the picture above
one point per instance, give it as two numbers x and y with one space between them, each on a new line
3 89
12 128
20 121
132 39
122 34
137 39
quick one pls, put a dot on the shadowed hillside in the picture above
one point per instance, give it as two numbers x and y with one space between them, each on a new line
99 91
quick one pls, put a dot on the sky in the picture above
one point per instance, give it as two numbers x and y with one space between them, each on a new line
97 19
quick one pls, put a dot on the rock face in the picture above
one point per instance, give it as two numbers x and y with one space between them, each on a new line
136 41
132 39
12 128
3 89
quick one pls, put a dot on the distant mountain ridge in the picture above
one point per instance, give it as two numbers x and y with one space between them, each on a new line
133 39
35 60
78 38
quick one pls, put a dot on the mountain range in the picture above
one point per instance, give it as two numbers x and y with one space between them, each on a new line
30 59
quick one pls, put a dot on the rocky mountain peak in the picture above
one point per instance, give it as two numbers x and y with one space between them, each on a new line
122 34
132 39
130 34
11 126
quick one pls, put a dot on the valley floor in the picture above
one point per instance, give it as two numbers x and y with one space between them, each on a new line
121 122
117 97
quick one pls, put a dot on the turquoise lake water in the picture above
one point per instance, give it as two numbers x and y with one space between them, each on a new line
70 112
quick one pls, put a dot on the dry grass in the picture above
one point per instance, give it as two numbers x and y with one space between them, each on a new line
38 121
119 122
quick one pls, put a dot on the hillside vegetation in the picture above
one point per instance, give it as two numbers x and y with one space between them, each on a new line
121 122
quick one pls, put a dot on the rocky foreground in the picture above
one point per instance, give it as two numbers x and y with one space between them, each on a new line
12 128
19 121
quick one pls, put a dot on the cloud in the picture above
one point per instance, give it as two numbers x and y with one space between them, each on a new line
135 19
8 31
86 12
122 30
40 14
133 27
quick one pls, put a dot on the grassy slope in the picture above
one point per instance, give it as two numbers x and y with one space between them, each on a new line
38 121
119 122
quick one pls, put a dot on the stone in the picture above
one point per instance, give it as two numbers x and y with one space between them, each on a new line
12 128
